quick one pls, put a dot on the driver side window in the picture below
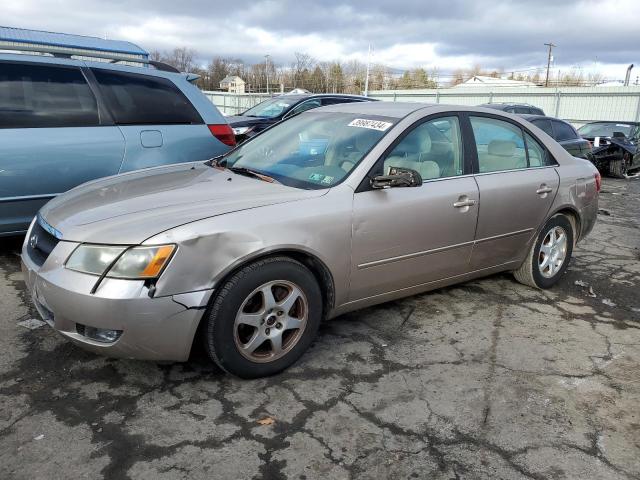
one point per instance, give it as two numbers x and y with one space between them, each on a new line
433 149
304 106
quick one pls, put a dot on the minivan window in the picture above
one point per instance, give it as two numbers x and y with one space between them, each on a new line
42 96
144 100
500 145
563 131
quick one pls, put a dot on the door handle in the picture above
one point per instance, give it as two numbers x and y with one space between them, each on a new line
544 189
464 203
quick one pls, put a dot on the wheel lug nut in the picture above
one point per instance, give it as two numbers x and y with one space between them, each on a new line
278 325
280 313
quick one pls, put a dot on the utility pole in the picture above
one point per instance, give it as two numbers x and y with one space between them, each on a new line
266 69
366 81
550 45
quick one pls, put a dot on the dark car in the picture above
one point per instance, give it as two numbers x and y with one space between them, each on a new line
279 108
563 133
615 146
521 108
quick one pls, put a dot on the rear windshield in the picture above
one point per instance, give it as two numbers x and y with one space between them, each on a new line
313 150
605 129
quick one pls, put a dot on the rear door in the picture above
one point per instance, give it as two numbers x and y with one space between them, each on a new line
158 122
517 182
53 136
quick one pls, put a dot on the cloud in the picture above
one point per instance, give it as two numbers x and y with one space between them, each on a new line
447 34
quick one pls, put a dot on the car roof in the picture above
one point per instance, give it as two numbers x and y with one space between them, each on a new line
386 109
612 121
304 96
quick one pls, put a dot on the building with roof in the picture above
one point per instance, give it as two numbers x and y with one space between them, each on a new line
70 46
232 84
486 81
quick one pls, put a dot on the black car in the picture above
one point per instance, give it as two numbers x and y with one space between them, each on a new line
282 107
615 146
520 108
563 133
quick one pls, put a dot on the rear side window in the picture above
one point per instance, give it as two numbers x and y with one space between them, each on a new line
145 100
545 126
536 152
523 110
500 145
537 111
563 131
42 96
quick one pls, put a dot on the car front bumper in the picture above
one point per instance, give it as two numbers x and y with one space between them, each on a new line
160 328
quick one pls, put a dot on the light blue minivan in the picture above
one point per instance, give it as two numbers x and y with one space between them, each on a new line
65 121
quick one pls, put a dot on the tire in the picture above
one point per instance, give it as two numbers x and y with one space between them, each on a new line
618 167
243 325
534 271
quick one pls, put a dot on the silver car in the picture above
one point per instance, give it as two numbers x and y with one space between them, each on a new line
333 210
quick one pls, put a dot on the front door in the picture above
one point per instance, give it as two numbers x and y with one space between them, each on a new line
409 236
517 182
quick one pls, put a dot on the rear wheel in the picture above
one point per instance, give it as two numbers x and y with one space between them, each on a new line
550 254
618 167
263 318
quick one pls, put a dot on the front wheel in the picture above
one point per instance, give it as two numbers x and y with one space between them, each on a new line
263 318
549 256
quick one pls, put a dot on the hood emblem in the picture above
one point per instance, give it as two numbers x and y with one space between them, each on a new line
33 241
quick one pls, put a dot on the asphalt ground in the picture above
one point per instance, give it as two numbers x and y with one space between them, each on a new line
488 379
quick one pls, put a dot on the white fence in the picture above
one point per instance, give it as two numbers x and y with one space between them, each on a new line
575 104
235 103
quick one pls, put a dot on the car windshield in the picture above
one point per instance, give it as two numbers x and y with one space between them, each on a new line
271 108
311 151
605 129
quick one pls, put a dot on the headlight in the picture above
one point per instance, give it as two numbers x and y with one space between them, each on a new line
132 263
241 130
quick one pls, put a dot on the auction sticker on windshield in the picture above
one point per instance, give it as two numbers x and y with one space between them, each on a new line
372 124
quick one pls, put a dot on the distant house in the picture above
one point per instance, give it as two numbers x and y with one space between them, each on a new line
233 84
486 81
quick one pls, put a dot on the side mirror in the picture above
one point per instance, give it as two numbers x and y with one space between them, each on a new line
397 177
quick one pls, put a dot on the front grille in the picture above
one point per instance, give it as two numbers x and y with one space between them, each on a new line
40 244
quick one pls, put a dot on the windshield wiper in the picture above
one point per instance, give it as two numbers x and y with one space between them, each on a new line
247 172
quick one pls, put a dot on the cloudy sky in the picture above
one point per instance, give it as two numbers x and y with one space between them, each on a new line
599 35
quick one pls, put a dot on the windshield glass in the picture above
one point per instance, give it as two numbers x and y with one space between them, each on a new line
271 108
604 129
312 150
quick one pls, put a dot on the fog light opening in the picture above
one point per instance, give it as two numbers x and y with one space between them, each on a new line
102 335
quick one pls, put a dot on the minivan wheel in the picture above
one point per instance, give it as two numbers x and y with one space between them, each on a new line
263 318
549 256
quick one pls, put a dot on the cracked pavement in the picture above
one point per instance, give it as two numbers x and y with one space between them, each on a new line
488 379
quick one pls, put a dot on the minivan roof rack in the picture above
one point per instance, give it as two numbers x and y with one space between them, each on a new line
165 67
64 45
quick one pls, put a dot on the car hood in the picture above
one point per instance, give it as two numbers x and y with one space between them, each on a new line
129 208
241 121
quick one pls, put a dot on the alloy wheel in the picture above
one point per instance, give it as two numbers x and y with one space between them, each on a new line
271 321
553 252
